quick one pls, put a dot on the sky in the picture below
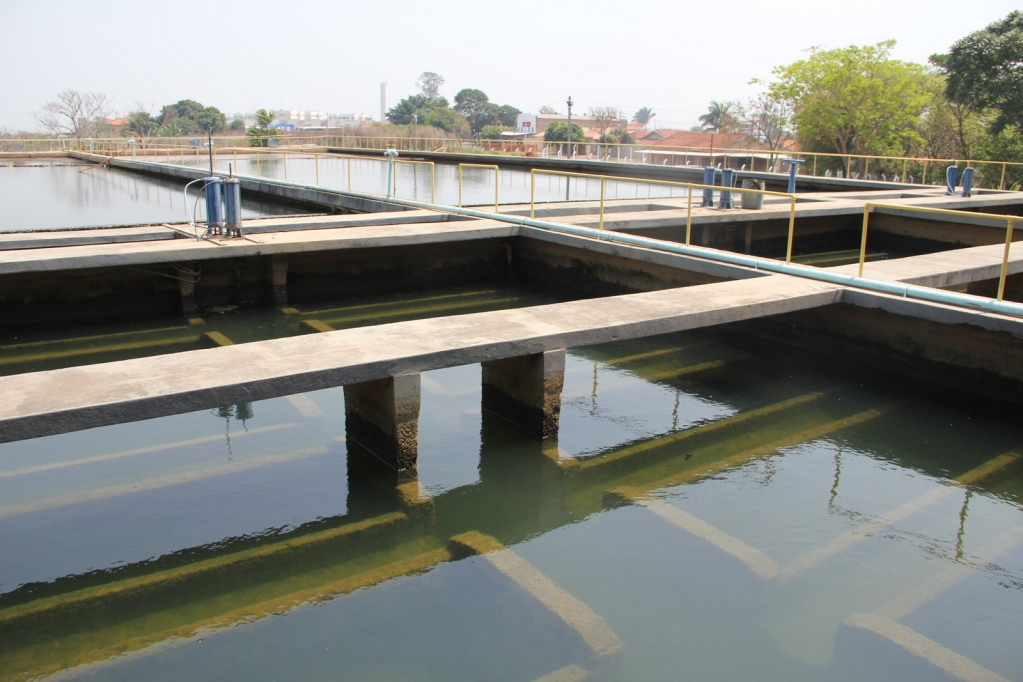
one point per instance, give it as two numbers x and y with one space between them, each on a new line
674 56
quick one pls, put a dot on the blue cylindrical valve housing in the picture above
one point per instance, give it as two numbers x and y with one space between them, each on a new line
708 179
727 175
214 203
233 206
951 178
967 182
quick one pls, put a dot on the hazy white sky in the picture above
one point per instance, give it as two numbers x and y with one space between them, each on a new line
672 55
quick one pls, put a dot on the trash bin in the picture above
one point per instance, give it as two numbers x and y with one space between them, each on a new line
750 201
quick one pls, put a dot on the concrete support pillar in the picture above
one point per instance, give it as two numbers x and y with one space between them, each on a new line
278 272
526 390
383 417
188 305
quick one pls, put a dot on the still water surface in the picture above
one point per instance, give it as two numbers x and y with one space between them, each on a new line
711 511
54 196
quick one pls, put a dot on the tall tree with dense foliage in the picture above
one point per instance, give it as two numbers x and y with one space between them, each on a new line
854 100
188 116
414 105
558 132
476 107
507 115
985 71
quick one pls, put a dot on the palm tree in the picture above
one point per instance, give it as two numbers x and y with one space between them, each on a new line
717 116
643 115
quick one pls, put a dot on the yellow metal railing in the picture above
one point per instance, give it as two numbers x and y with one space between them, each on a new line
665 183
1010 226
994 172
497 173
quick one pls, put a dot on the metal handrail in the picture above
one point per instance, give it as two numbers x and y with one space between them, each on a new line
689 208
497 172
1010 226
472 146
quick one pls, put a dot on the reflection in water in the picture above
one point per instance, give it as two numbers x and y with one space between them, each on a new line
413 181
54 196
737 517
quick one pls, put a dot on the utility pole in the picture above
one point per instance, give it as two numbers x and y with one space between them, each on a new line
569 134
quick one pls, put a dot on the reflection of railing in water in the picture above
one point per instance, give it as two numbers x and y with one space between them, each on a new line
497 177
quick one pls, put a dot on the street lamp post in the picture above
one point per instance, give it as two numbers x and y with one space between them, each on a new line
568 134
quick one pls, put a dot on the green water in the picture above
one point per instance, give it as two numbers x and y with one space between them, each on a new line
710 511
68 347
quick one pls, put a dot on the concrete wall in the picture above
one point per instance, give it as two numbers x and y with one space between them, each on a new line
949 353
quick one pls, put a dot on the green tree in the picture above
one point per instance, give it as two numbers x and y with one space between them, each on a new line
476 107
558 132
491 132
142 124
210 120
618 136
187 116
854 100
447 119
261 133
950 130
718 118
507 115
643 115
414 105
985 70
237 125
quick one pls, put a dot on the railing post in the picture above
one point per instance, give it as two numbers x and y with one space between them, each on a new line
1005 258
497 184
602 181
689 214
349 174
1001 183
459 185
792 229
316 159
863 237
532 193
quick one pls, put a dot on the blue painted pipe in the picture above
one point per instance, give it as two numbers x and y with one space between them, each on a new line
708 179
951 176
967 182
766 264
726 181
793 167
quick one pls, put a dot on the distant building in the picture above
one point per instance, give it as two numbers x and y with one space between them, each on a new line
308 121
537 124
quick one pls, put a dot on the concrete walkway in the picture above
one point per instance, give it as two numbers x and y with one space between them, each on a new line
72 399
